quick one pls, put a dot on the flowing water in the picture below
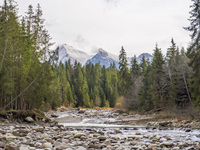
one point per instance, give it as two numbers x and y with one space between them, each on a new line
104 121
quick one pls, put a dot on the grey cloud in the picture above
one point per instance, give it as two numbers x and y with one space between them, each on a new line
80 41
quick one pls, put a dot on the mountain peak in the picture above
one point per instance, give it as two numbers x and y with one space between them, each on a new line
102 52
68 52
105 58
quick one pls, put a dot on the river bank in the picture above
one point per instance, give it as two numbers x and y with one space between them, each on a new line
105 129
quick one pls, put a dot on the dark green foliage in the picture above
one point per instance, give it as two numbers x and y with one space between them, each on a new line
31 76
194 51
151 94
124 73
144 95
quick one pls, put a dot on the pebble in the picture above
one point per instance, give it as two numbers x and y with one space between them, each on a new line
47 145
56 137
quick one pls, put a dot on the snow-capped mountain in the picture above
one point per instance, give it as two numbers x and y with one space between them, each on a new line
147 56
65 52
104 58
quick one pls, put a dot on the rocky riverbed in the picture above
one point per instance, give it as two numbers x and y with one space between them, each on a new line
87 129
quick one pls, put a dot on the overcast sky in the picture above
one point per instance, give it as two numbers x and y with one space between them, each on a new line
109 24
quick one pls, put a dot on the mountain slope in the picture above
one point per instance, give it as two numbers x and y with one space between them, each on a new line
104 58
66 52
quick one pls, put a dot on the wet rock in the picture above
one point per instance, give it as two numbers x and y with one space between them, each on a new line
164 124
81 111
137 133
157 138
102 138
118 131
188 130
54 115
168 138
29 119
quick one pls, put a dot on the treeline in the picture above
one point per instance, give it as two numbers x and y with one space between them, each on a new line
160 84
31 76
25 74
87 86
171 82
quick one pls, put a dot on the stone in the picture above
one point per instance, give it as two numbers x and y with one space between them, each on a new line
118 131
138 133
152 146
23 147
188 130
6 121
21 133
10 137
11 147
135 147
47 145
95 135
81 148
29 119
61 147
175 148
168 144
102 138
79 135
81 111
2 144
44 136
164 124
95 146
113 141
157 137
54 115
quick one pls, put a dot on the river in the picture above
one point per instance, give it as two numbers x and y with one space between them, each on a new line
105 122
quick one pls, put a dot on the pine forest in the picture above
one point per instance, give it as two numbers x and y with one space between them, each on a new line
31 76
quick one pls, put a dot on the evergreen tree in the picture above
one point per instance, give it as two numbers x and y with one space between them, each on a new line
156 78
194 50
143 65
145 102
135 68
124 74
132 95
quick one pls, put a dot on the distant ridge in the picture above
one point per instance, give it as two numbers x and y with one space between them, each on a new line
67 52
